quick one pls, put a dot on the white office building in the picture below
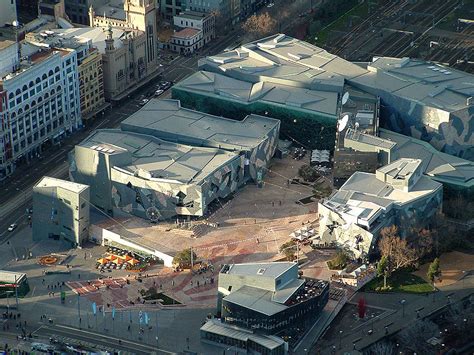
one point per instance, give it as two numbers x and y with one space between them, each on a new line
39 102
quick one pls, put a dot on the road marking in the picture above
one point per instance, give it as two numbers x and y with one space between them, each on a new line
108 337
102 123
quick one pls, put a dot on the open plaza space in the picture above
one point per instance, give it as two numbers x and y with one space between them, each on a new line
249 227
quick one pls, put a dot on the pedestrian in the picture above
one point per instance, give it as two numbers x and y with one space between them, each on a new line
191 283
172 282
273 204
198 283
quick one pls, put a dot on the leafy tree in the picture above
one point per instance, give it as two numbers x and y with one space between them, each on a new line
183 258
259 25
397 250
289 249
308 173
434 271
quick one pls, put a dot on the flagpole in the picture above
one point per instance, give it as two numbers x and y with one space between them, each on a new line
79 309
156 329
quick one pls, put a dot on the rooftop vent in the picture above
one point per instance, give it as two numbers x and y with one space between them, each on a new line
279 38
261 271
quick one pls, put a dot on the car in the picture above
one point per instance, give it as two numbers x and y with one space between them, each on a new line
12 227
271 5
158 92
164 85
143 102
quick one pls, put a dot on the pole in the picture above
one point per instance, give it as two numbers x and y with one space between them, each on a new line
16 293
79 309
192 261
297 253
156 337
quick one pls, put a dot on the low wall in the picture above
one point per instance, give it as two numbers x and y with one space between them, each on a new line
103 237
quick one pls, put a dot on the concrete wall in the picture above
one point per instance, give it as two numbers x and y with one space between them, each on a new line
60 212
106 237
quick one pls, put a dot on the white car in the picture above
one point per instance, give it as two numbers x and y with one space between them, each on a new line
143 102
158 92
12 227
271 5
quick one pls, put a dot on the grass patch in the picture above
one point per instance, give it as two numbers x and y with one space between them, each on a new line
360 10
401 281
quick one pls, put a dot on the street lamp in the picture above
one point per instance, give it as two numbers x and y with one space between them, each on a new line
403 307
340 339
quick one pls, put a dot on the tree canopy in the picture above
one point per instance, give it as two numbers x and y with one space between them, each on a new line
259 25
183 258
289 249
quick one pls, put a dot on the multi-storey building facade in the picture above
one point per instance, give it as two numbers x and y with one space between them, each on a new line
197 20
171 8
256 301
39 103
186 41
61 210
90 71
123 56
130 15
78 10
91 84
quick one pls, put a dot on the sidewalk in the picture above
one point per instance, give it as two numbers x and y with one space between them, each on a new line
400 318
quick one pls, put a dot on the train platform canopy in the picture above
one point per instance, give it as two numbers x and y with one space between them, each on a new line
166 119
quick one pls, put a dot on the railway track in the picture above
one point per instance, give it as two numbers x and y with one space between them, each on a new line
363 27
439 13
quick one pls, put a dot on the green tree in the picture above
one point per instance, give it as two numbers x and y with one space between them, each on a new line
183 258
434 271
308 173
289 249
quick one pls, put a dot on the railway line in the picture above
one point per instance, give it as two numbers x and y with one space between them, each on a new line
412 24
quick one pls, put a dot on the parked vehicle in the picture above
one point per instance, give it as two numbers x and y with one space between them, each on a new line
143 102
12 227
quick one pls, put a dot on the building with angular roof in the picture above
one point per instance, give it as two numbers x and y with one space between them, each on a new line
256 301
397 194
303 85
153 178
255 137
453 172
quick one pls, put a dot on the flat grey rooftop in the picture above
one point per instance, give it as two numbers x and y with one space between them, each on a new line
216 327
162 160
112 9
431 84
166 119
256 299
47 181
296 98
272 270
361 137
96 34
